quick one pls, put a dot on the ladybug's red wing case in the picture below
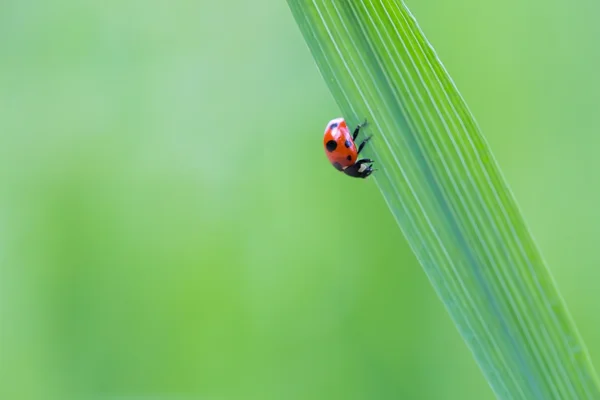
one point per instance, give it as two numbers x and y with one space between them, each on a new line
339 146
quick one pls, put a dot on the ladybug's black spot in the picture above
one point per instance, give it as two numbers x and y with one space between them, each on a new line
334 125
349 158
331 145
338 166
347 143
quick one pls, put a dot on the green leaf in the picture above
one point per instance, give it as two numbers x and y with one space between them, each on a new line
446 192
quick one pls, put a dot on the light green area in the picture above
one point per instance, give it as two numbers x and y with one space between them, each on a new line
170 227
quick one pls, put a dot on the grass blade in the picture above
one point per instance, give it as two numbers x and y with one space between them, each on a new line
448 196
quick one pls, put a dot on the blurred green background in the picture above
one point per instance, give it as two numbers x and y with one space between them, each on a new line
170 227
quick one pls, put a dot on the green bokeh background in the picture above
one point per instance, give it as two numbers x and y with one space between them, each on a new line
171 229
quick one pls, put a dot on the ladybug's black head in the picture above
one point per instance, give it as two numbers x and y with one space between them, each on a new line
361 169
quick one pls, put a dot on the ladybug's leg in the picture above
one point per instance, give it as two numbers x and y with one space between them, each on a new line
363 144
357 130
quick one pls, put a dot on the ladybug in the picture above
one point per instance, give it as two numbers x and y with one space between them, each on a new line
342 152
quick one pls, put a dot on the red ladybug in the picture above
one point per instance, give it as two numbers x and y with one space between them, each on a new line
342 152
